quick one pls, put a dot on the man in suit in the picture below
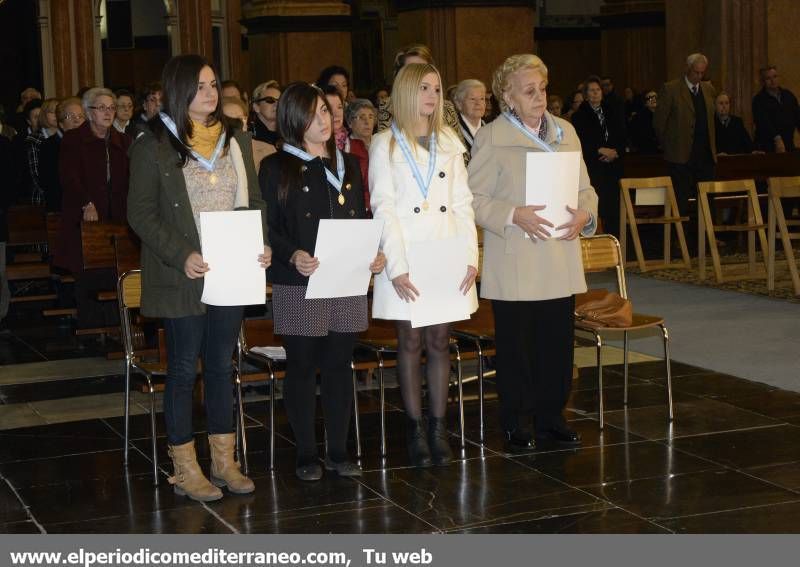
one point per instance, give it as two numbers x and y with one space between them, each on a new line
684 124
731 135
776 114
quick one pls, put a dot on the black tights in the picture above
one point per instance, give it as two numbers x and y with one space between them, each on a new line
409 372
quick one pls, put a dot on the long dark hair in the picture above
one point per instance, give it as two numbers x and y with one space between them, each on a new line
179 87
296 110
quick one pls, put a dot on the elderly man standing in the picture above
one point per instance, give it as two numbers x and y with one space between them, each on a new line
684 124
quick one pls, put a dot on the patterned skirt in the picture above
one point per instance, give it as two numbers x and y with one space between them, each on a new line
293 314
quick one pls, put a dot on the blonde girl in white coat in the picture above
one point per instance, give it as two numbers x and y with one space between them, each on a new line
418 186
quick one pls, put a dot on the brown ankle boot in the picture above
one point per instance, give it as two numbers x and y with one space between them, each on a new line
188 479
224 470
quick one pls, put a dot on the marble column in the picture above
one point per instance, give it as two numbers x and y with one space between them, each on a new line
467 40
294 40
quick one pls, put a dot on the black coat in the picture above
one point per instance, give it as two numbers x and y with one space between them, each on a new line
775 118
642 133
587 126
8 185
293 224
733 138
48 173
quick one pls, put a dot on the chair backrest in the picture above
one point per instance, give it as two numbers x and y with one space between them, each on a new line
649 190
53 224
733 186
97 244
782 187
129 298
26 225
127 254
258 332
601 253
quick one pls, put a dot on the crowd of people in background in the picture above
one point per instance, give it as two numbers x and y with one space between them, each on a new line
72 156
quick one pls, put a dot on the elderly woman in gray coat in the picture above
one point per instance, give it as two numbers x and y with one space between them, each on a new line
530 277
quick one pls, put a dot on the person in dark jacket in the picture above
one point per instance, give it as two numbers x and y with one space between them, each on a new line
642 133
732 137
776 114
307 180
70 116
7 198
191 160
601 129
93 170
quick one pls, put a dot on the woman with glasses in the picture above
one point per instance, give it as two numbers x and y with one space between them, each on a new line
264 120
192 160
307 180
93 166
530 276
361 116
642 134
419 189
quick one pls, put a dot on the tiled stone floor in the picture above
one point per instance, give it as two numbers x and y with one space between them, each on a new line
729 463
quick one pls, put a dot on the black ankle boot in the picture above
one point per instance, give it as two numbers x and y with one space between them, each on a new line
418 451
437 440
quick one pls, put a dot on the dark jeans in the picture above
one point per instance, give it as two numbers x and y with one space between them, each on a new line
534 341
332 355
211 337
685 177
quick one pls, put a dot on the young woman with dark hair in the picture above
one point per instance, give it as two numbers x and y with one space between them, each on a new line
192 160
307 180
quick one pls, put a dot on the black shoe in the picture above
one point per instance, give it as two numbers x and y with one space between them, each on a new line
437 440
309 472
345 468
559 435
519 441
418 450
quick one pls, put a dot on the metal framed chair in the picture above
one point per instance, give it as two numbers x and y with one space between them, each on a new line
129 298
479 331
259 333
602 253
381 340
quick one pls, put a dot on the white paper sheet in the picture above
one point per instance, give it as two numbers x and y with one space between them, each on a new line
437 268
345 249
231 242
272 352
551 179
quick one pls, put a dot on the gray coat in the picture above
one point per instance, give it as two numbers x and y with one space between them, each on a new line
160 213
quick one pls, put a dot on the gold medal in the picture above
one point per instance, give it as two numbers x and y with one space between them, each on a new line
213 179
341 199
425 205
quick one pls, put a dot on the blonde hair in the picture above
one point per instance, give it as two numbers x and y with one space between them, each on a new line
259 91
418 50
500 79
405 102
49 105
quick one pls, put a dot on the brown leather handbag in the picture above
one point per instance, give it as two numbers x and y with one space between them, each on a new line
603 308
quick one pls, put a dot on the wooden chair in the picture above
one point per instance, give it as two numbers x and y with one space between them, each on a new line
26 225
658 192
479 330
27 230
97 243
381 340
780 188
742 188
602 253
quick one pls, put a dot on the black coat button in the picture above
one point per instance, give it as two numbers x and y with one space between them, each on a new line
441 174
303 168
443 209
416 209
352 213
308 215
305 189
